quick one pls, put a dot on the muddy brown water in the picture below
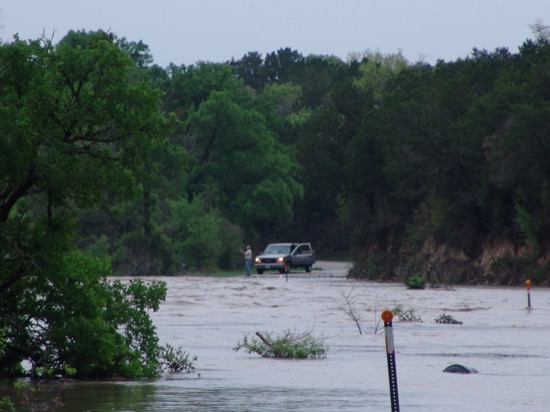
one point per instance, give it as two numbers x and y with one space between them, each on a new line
499 337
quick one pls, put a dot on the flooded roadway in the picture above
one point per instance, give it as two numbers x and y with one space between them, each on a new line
506 343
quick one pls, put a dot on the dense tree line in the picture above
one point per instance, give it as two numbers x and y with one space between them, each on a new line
112 164
409 168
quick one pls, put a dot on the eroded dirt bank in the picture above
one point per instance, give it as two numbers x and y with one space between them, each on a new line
495 263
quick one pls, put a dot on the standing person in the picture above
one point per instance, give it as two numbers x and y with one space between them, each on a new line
247 259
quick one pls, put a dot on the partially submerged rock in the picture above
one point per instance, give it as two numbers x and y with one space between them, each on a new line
456 368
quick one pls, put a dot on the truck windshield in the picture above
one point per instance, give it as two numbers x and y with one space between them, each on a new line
277 249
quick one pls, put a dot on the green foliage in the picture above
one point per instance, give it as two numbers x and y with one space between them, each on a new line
204 244
2 341
72 106
202 239
509 270
528 225
139 254
7 405
405 315
75 132
240 167
288 345
99 248
377 70
415 281
176 360
94 327
281 106
414 237
321 155
138 51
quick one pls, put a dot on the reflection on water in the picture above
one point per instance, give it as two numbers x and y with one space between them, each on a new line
502 340
148 397
81 396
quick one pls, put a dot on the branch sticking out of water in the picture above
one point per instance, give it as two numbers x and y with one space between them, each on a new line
348 307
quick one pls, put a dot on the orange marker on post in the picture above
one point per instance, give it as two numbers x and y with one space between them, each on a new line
528 284
387 317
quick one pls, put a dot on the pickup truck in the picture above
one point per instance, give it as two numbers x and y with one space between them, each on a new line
285 256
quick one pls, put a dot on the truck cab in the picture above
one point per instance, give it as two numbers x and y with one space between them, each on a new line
285 256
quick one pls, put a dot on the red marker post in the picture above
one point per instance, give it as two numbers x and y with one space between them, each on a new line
528 285
387 317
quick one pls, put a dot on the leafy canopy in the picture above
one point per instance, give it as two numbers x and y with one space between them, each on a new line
74 132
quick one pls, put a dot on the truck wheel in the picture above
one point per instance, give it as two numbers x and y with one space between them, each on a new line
281 271
259 271
308 268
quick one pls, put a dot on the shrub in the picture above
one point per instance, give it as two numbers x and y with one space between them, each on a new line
415 281
176 360
289 345
405 315
7 405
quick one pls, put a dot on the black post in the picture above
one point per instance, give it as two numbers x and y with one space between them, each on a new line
387 317
528 284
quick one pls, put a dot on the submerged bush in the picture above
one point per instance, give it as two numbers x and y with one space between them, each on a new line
289 345
443 318
405 315
176 360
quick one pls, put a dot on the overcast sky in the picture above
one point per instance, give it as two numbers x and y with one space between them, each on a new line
188 31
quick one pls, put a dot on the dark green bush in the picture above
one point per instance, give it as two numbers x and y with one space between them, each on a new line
415 281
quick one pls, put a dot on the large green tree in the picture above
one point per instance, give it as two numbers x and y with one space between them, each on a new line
240 167
74 131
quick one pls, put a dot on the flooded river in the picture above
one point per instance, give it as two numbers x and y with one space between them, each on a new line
506 343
